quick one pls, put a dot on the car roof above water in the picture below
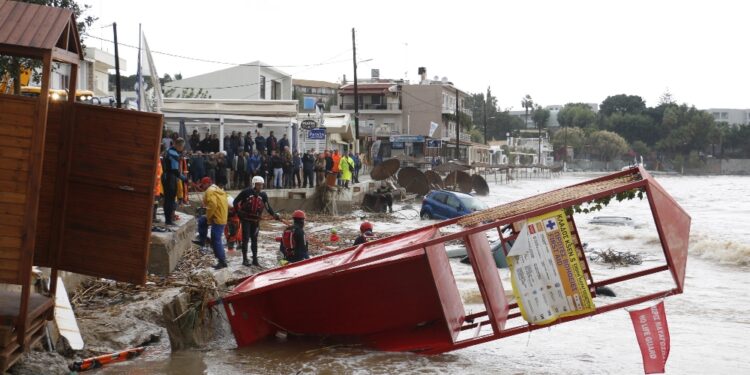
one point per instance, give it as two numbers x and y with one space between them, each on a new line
456 193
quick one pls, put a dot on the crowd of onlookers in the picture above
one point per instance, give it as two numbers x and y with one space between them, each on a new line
252 154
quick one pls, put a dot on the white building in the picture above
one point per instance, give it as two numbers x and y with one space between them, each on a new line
93 72
554 110
252 81
730 116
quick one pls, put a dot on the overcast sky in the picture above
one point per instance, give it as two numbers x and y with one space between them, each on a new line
556 51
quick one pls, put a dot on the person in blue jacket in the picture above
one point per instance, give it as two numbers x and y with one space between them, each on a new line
260 143
253 164
171 173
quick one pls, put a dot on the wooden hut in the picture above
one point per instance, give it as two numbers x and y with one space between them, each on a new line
77 183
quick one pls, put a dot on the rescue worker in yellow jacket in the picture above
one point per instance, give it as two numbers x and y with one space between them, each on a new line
217 209
346 166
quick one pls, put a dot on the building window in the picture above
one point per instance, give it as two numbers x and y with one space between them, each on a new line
64 81
262 87
275 90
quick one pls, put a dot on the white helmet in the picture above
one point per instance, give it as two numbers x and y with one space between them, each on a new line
258 180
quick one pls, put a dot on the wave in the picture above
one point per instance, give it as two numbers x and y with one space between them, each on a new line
722 251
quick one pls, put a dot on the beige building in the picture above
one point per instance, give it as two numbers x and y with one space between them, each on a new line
416 120
310 92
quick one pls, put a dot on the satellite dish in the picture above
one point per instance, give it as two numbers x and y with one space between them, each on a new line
393 88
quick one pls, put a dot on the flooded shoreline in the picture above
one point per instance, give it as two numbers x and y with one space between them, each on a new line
708 332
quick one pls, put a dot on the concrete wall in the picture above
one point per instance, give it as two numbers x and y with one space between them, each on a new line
735 166
168 247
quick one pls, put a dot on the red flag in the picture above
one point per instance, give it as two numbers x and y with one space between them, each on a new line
653 337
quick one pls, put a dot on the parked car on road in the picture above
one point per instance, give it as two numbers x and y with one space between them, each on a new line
444 204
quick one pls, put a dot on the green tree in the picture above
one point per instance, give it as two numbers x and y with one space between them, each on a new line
528 104
540 116
476 135
623 104
13 65
576 115
633 127
666 98
686 129
573 137
641 149
608 145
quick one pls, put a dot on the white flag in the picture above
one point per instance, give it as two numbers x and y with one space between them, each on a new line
433 127
149 100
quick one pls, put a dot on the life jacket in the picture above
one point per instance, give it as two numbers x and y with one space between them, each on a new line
287 241
233 230
252 207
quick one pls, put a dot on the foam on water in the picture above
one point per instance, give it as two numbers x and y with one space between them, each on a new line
722 251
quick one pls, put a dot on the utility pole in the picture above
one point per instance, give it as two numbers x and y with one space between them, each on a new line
565 150
117 69
356 92
458 130
484 109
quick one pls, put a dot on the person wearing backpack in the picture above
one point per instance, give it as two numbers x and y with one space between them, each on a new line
293 241
249 204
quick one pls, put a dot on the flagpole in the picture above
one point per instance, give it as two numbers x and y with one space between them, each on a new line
138 73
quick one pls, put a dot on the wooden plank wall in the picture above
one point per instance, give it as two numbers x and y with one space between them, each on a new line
17 117
44 255
107 221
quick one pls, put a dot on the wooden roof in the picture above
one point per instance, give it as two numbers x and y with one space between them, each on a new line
32 30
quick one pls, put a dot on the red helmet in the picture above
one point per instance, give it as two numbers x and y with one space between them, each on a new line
206 181
366 226
299 214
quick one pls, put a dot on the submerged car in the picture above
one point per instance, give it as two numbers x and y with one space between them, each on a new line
443 204
613 220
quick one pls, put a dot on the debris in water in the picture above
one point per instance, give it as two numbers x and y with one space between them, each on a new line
616 258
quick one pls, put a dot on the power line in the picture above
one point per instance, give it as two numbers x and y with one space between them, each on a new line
222 62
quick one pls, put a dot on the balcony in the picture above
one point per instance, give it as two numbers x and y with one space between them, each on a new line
371 107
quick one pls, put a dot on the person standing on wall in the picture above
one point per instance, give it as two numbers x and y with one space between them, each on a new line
296 166
260 143
249 204
357 167
277 166
172 173
336 169
308 167
271 143
346 167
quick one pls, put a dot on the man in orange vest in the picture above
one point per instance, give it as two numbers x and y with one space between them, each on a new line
158 191
335 168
